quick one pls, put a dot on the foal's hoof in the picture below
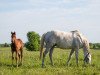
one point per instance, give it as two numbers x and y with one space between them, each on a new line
12 65
21 64
16 66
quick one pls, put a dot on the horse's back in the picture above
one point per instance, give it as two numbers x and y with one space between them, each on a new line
65 39
60 38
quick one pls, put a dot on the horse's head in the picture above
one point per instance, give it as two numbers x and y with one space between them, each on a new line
87 58
13 36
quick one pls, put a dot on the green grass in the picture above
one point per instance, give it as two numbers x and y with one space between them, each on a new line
32 64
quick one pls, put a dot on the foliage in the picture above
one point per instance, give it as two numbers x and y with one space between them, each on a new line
5 45
32 64
33 41
95 45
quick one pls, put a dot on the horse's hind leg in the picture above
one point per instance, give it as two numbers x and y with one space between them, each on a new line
44 54
72 51
50 55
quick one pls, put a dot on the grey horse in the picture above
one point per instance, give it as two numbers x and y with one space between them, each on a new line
73 39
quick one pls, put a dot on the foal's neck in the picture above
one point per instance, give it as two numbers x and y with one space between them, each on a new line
15 40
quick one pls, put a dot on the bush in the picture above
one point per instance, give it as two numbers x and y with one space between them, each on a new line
33 41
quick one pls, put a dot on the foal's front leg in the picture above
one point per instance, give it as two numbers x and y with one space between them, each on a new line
17 58
12 57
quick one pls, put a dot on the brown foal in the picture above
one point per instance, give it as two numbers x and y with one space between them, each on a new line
17 47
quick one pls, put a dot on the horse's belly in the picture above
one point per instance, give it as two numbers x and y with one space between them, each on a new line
64 45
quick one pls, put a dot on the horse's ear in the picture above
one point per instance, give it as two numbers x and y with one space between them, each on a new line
88 53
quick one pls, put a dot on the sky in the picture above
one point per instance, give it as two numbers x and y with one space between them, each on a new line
41 16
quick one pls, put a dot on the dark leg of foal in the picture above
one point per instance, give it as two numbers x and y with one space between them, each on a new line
50 55
44 54
72 51
12 57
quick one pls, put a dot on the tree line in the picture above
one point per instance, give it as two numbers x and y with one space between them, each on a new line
94 45
33 43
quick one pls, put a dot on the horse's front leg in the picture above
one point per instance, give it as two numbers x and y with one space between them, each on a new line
72 51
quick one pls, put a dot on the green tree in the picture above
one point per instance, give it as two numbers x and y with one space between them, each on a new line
91 45
33 41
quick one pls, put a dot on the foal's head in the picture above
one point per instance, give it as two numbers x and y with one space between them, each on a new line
13 36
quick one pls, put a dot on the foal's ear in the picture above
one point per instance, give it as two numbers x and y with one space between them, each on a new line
11 32
14 32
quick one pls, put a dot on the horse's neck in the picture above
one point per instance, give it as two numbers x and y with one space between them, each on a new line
86 46
85 50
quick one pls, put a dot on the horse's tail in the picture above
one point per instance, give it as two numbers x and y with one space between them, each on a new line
41 45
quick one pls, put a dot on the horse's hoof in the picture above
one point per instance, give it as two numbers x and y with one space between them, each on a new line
43 66
66 64
52 64
21 64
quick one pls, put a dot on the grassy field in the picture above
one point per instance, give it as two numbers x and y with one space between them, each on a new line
32 64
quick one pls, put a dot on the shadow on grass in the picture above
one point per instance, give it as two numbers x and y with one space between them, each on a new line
5 65
9 65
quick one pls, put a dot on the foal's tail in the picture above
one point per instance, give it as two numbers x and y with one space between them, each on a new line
41 45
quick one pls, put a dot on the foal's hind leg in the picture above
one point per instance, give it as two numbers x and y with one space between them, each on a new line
21 56
72 51
50 55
